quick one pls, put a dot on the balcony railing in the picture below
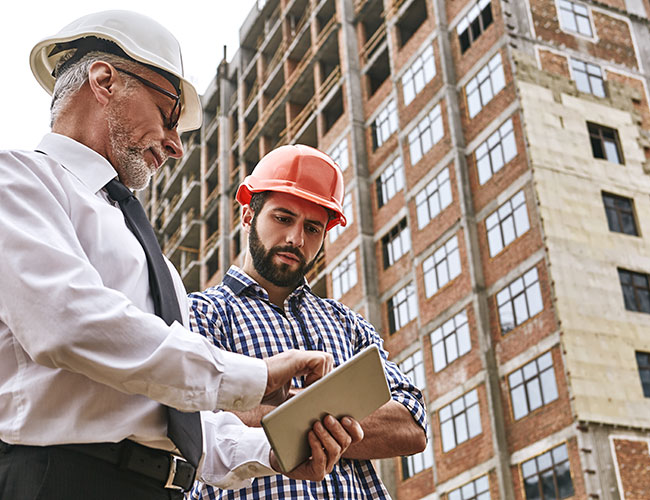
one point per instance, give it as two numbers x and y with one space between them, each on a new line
373 42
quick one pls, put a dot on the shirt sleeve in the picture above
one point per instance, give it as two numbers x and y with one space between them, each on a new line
401 387
235 453
62 314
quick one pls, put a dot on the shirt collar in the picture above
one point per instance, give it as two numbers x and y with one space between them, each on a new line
91 168
238 281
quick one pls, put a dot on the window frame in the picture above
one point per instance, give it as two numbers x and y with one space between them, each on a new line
476 494
393 175
488 149
508 214
479 82
345 272
452 340
438 191
411 77
553 465
348 210
386 116
410 301
563 27
526 382
399 232
644 369
458 416
514 293
341 151
620 212
428 132
587 76
639 307
597 132
450 248
482 6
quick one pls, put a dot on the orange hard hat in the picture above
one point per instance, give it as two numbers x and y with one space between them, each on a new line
302 171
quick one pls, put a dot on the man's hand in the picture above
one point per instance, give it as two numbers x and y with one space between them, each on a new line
328 442
294 363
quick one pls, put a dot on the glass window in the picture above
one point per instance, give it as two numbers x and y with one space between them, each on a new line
340 154
434 198
485 85
620 214
474 23
636 290
426 134
418 74
507 223
532 386
402 308
336 231
605 143
494 153
574 17
643 363
396 243
548 475
414 464
588 77
450 341
344 276
390 181
479 489
519 301
385 124
460 420
442 267
413 368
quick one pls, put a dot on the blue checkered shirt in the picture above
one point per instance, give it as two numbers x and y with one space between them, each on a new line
237 316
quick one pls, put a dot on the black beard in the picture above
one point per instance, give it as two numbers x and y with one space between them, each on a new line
279 275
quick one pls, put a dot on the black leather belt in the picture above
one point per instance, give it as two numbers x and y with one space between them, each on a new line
171 471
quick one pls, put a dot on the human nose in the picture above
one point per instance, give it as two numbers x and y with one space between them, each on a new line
172 144
296 236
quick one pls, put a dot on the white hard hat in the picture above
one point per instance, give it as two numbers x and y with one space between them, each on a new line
140 37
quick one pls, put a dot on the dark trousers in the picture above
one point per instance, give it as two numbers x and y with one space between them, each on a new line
52 473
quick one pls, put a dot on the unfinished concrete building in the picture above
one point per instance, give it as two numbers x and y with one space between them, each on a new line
497 159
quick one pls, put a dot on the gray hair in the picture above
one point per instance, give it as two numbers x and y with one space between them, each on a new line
72 79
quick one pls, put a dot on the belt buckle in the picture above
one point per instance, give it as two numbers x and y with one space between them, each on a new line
173 459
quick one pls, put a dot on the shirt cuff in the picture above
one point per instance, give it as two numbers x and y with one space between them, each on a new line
242 383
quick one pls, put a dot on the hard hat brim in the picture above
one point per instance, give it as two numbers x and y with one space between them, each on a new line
42 67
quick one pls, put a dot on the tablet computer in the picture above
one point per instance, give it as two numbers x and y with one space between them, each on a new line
355 388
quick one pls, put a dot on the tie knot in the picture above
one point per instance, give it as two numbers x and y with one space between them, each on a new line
117 191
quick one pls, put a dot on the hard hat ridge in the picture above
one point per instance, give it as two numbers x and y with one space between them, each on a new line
301 171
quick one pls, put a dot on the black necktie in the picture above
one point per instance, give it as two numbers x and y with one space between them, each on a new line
184 429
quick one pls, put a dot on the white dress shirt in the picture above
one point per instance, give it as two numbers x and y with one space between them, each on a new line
83 358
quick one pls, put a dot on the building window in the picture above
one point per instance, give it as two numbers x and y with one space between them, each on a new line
344 276
390 181
532 386
450 341
460 421
414 464
620 214
507 223
427 133
636 291
336 231
548 475
574 17
643 362
474 23
340 154
519 301
588 78
434 198
494 153
396 243
418 74
605 143
402 308
384 125
442 267
485 85
413 368
479 489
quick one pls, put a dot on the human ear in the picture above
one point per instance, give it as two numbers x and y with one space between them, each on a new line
247 217
101 80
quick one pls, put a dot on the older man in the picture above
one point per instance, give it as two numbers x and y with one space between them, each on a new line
291 199
100 383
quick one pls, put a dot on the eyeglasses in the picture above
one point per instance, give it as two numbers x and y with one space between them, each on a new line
175 114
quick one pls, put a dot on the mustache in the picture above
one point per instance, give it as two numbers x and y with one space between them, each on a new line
288 249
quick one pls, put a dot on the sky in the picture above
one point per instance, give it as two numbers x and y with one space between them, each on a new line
202 27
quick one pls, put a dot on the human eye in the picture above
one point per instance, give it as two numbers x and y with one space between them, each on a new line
313 229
